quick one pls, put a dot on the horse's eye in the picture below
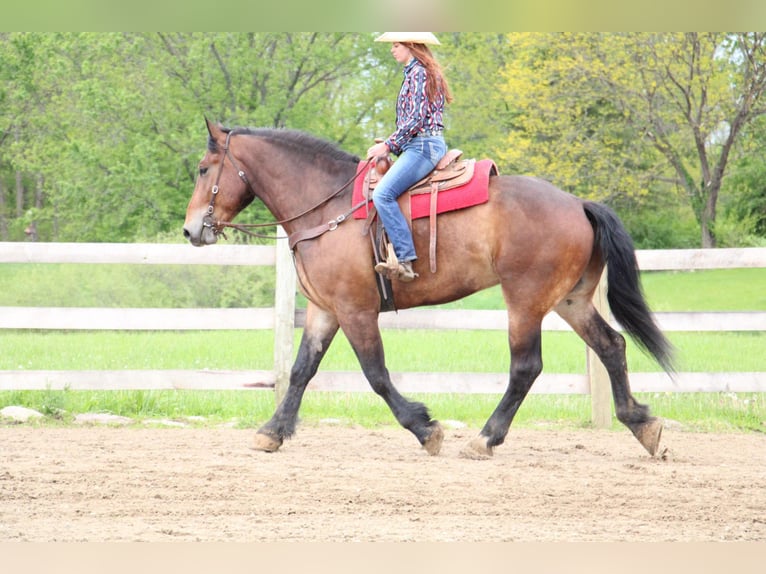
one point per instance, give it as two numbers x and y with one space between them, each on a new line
202 170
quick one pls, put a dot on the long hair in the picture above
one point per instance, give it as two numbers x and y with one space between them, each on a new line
435 80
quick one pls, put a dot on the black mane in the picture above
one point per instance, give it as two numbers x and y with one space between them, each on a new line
304 143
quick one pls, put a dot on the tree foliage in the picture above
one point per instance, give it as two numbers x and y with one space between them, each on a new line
745 186
479 119
100 133
110 126
624 116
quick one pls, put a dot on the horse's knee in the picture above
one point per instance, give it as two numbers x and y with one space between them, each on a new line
527 369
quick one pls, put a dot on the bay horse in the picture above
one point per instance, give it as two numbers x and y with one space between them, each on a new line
545 247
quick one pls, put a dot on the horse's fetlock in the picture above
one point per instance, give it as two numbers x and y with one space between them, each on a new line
632 414
494 441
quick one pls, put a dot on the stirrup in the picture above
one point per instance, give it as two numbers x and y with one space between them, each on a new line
390 266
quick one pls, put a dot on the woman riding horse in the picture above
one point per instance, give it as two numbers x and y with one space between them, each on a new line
418 141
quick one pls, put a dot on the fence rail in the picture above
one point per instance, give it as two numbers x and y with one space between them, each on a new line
283 317
154 319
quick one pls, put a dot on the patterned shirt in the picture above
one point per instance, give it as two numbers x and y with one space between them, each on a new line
414 113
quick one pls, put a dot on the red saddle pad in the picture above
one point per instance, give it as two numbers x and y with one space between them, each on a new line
472 193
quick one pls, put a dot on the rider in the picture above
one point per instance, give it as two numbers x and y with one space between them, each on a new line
418 141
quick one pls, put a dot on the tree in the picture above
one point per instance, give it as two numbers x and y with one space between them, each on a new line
17 95
103 131
746 188
327 84
636 113
479 119
73 135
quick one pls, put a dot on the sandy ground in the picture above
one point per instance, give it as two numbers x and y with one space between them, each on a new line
347 484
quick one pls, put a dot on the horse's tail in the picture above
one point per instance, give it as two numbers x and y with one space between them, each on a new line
624 292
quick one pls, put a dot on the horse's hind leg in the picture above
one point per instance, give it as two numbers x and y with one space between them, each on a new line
524 335
609 345
364 336
318 333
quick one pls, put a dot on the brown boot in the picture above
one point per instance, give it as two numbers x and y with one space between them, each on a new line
405 273
395 269
401 271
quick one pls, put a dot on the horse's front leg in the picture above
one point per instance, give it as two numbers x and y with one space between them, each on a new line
363 334
318 333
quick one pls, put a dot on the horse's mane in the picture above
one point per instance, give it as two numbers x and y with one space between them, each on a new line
302 142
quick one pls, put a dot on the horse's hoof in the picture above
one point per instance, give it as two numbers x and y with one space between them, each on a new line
648 434
477 449
266 443
433 444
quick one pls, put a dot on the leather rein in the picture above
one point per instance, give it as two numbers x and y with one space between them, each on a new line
294 238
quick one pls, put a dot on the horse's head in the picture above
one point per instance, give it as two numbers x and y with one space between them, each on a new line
221 192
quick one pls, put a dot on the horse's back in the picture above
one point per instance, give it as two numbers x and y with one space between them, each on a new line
530 236
529 215
522 193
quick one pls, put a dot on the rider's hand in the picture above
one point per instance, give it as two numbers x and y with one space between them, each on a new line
378 150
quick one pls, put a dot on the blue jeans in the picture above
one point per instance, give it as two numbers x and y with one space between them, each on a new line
419 156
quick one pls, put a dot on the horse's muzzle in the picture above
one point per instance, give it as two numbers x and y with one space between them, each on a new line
200 232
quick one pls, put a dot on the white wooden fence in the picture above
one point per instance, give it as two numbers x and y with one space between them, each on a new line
283 317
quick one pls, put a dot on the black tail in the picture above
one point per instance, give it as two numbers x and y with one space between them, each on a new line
624 292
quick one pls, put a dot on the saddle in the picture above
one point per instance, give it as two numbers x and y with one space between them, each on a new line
450 172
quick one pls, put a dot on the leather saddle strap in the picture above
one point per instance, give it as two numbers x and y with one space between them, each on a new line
312 233
432 225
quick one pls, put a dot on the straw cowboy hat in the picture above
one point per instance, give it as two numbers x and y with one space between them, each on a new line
410 37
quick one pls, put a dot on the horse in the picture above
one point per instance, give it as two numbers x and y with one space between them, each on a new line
545 247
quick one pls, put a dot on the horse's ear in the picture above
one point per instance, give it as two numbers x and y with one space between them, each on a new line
213 129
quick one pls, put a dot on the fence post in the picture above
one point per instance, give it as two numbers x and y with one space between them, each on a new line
284 315
598 378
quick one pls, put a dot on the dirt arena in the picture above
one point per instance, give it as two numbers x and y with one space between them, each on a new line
348 484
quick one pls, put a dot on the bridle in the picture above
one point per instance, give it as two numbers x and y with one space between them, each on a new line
217 225
208 220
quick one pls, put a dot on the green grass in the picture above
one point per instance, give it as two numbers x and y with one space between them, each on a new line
711 412
704 412
81 285
708 290
91 285
406 351
711 290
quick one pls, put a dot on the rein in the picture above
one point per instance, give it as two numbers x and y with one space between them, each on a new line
331 225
